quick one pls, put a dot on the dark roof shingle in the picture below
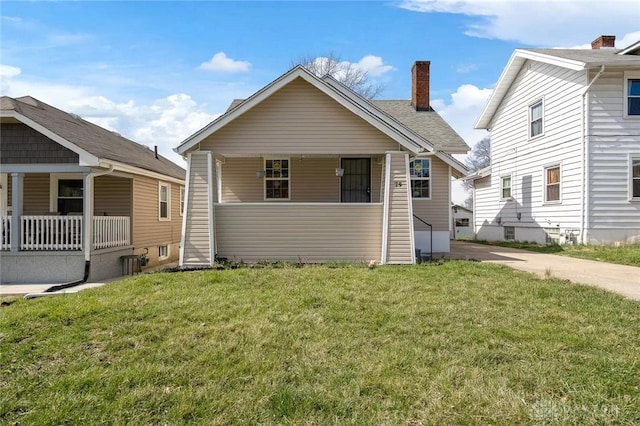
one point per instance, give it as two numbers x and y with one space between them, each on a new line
92 138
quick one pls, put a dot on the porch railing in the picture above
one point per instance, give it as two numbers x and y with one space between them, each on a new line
5 229
51 233
65 232
111 231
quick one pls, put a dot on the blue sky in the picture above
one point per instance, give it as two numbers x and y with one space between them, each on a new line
158 71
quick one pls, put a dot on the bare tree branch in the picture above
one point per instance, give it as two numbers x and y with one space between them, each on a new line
345 72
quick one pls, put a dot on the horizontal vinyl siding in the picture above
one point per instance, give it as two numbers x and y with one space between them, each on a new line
36 193
399 232
612 139
312 179
197 249
148 231
524 159
112 196
312 233
299 119
436 210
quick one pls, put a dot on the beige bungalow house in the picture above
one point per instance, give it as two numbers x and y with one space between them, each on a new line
75 198
308 170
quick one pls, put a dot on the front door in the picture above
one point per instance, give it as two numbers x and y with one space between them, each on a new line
355 185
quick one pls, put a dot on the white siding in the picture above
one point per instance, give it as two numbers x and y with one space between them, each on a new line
612 138
299 231
197 250
515 154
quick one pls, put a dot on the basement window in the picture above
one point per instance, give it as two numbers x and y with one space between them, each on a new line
509 233
163 252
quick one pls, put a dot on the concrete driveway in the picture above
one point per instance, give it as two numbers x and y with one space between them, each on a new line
621 279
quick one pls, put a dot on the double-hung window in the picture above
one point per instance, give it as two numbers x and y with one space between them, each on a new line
181 200
420 173
632 94
505 187
70 199
536 125
164 201
552 184
276 179
635 178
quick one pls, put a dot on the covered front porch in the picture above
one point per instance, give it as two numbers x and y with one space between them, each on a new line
54 218
302 207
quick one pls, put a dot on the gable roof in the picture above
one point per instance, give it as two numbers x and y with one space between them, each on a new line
573 59
409 138
93 143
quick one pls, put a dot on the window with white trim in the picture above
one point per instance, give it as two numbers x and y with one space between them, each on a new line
420 173
552 184
163 252
462 222
552 236
632 94
164 201
276 179
505 187
535 119
181 200
509 233
635 178
70 199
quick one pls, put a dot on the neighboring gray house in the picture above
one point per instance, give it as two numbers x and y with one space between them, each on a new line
565 147
462 222
306 169
75 197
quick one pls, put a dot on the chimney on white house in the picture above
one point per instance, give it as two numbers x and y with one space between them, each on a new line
604 41
420 86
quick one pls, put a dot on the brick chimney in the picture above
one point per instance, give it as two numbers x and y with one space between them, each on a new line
420 86
604 41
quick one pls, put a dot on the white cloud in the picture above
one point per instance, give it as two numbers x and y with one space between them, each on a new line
221 62
536 23
373 65
461 112
7 71
164 122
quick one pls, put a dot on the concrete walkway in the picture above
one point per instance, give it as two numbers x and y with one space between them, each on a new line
621 279
22 289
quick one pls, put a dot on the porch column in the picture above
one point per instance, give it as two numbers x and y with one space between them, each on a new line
17 185
87 217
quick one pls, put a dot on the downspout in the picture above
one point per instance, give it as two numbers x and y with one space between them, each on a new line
584 217
87 255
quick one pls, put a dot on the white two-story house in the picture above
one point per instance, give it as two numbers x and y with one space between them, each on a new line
565 147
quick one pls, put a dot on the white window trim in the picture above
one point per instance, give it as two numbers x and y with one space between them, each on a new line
53 187
430 179
504 233
544 181
633 156
168 186
168 251
510 197
182 200
530 118
628 75
265 179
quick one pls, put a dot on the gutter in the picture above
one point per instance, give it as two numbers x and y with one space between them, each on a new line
584 216
88 230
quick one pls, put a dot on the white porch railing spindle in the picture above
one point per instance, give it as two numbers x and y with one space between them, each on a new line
111 231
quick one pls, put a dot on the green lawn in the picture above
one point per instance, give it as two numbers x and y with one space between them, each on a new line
459 343
624 255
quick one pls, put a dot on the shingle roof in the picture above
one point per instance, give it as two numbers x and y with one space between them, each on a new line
427 124
94 139
590 56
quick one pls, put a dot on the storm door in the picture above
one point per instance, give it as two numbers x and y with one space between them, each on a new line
355 184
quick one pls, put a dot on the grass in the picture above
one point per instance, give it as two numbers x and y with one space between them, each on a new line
623 255
460 343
